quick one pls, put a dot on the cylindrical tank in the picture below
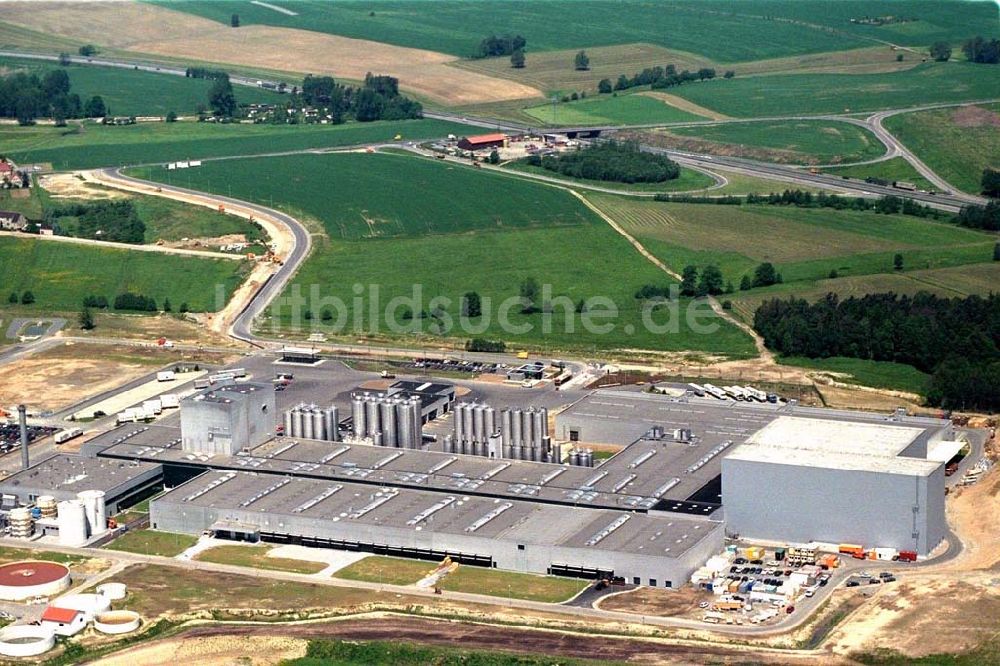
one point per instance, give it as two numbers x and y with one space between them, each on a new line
405 421
515 422
505 433
540 427
519 452
459 421
26 640
416 408
21 524
93 504
378 439
372 414
307 424
47 506
117 622
72 523
330 424
287 422
556 454
298 419
528 428
508 451
479 423
574 457
388 409
319 424
587 458
449 444
113 591
358 416
490 421
479 449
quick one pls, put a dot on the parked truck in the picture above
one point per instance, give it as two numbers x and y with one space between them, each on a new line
67 434
165 376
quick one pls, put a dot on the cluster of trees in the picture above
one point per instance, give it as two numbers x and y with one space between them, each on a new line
710 283
138 302
484 345
955 339
377 99
620 162
980 217
581 61
727 200
99 302
887 204
990 182
494 46
980 50
205 73
116 221
659 77
26 298
940 51
29 96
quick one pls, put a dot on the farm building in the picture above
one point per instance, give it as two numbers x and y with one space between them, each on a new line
10 221
497 140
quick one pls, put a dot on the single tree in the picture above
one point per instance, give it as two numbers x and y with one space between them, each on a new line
604 86
764 275
622 83
86 319
581 305
183 309
581 62
13 298
166 305
517 59
897 262
95 108
221 98
307 315
529 292
729 74
991 182
326 314
899 57
171 117
833 274
87 50
471 305
234 21
940 51
729 287
494 157
711 283
27 298
689 281
745 283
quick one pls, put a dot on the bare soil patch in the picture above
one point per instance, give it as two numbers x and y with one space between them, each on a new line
154 29
685 105
652 601
665 139
212 651
69 186
211 243
975 116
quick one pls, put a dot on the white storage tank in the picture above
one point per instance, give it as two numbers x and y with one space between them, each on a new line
47 505
113 591
21 524
117 622
96 511
26 640
72 523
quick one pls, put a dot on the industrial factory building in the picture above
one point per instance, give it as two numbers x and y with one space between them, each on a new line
227 419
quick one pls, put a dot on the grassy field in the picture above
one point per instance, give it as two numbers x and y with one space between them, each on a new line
726 31
94 145
474 580
783 94
372 653
256 557
18 554
610 110
61 274
407 226
894 169
151 542
688 180
877 374
803 141
956 143
804 244
129 92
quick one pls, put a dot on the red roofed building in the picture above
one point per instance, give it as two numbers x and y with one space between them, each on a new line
5 167
483 141
64 621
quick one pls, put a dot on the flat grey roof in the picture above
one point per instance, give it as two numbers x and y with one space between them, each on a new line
228 392
73 473
519 521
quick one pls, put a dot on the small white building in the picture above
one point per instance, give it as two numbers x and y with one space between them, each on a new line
64 621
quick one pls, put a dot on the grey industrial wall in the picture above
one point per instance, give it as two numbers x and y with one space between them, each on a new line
801 504
27 493
597 430
224 428
178 516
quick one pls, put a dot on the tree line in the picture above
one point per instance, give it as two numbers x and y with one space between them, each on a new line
116 221
888 204
978 49
494 46
985 217
659 77
377 99
957 340
27 96
615 161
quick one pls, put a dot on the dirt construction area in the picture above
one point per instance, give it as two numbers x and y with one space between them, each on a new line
157 30
71 186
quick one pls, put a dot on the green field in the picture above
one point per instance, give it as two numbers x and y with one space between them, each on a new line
805 244
129 92
725 30
474 580
784 94
893 169
609 110
396 653
256 557
94 145
956 143
877 374
687 181
61 274
397 223
152 542
803 141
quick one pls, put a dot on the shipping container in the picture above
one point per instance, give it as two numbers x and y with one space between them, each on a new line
907 556
851 549
779 554
169 401
755 553
165 376
885 554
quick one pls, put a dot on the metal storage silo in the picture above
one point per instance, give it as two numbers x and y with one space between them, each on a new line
358 416
307 423
297 422
449 443
72 523
555 455
574 457
331 420
508 451
21 524
490 422
95 510
416 413
47 506
405 421
538 428
319 424
378 439
515 432
528 428
287 421
479 423
505 429
372 415
388 409
459 421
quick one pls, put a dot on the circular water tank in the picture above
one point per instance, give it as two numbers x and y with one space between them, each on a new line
47 505
29 579
112 591
117 622
72 523
93 504
91 605
26 640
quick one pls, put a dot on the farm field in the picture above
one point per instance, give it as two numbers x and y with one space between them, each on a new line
470 579
688 180
61 274
608 110
956 143
877 374
892 170
784 94
804 244
456 27
948 282
401 224
139 93
256 557
92 145
793 141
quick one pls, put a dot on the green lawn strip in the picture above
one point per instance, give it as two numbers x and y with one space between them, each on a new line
876 374
256 557
152 542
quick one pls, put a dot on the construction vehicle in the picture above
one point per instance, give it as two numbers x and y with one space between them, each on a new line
222 208
387 375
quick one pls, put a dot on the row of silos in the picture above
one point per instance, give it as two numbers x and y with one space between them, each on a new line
581 457
394 421
516 435
82 518
312 422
